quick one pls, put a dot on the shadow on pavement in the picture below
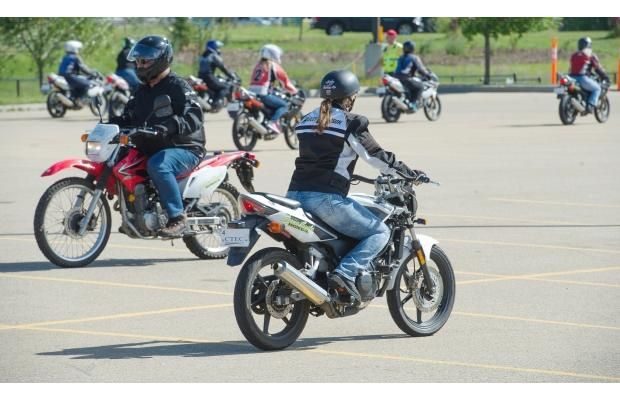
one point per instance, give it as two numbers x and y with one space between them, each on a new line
113 262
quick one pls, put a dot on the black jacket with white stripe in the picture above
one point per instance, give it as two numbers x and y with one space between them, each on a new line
326 161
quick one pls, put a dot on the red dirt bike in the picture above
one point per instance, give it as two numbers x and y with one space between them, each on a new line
72 221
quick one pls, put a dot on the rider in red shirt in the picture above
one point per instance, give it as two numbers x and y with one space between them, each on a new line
582 62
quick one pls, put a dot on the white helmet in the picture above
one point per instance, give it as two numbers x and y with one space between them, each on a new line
271 52
73 46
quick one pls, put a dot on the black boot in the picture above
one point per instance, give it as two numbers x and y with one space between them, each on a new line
175 227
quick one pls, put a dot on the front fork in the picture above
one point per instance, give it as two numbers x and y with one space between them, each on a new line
99 187
419 252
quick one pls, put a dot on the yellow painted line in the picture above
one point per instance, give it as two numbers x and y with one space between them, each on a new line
115 284
540 277
117 316
467 365
556 203
540 246
342 353
477 217
610 285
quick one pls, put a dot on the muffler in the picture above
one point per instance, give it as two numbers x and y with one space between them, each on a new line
400 104
257 126
578 106
301 282
204 103
65 100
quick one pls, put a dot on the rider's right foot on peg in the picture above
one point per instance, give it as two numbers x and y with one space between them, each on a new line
175 227
347 284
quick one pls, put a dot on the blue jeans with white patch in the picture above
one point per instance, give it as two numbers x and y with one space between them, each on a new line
349 218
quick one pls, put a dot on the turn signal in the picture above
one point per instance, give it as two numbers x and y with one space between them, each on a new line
123 139
84 137
275 227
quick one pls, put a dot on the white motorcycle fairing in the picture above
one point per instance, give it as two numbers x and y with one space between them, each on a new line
203 182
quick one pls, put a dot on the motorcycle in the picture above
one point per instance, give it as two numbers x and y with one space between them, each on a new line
395 99
72 220
119 94
59 98
278 288
205 95
251 116
573 100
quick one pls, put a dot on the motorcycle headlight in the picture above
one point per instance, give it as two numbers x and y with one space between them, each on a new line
93 148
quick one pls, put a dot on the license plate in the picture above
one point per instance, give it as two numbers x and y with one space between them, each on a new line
559 90
381 91
236 237
233 107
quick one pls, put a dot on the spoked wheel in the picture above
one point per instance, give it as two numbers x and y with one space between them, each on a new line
57 223
265 312
289 131
55 106
244 136
116 106
601 113
103 101
568 114
432 108
416 312
389 110
221 203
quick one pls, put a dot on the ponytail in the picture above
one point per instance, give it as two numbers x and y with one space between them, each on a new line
324 115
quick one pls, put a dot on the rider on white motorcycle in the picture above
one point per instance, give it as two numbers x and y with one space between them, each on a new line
179 145
331 139
73 69
408 65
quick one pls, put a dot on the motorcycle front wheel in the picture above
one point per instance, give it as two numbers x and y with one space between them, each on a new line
432 108
55 106
601 113
117 106
221 203
389 110
265 323
568 114
414 311
57 219
103 101
243 135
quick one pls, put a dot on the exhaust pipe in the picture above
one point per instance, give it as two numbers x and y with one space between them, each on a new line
65 100
578 106
204 103
258 127
203 221
120 96
400 104
301 282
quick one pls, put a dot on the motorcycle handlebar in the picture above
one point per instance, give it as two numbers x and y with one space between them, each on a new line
139 131
383 179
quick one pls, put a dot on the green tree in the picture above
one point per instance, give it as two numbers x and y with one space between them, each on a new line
182 32
43 38
494 27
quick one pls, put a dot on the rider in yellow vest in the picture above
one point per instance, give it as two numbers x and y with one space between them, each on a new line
392 50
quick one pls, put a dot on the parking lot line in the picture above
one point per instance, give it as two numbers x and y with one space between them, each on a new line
116 316
554 203
540 246
502 219
540 277
341 353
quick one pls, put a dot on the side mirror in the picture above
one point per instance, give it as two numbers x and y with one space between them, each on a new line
162 106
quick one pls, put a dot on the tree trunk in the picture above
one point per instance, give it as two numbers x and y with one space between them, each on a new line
40 67
301 28
487 59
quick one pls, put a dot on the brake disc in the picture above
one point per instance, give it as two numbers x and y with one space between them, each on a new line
278 311
424 301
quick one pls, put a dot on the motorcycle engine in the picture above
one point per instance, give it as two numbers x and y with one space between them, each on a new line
367 285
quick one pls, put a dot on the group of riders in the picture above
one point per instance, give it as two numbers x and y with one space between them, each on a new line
331 137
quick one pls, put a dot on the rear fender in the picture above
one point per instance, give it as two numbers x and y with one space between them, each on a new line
256 224
92 168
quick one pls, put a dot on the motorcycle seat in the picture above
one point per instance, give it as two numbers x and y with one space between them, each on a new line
294 204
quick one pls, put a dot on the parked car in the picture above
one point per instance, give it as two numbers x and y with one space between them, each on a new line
339 25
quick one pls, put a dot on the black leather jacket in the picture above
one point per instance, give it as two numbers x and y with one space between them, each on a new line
184 128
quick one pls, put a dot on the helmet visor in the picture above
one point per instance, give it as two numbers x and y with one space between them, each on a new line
142 52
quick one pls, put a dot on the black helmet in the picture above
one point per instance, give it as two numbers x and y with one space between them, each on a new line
339 84
408 46
156 48
584 43
129 42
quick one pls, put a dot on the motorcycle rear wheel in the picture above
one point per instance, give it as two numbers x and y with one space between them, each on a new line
209 246
432 110
406 280
104 105
389 111
568 114
116 107
243 135
601 113
250 302
56 221
54 106
289 131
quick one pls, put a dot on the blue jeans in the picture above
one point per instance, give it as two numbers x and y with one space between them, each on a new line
163 168
591 86
130 76
78 84
275 103
349 218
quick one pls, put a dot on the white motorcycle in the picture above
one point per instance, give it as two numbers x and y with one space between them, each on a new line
278 288
395 100
119 94
59 98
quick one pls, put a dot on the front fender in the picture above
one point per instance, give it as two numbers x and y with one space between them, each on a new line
92 168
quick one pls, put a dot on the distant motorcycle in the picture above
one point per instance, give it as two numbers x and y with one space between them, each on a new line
205 95
118 92
573 100
59 98
251 117
395 100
